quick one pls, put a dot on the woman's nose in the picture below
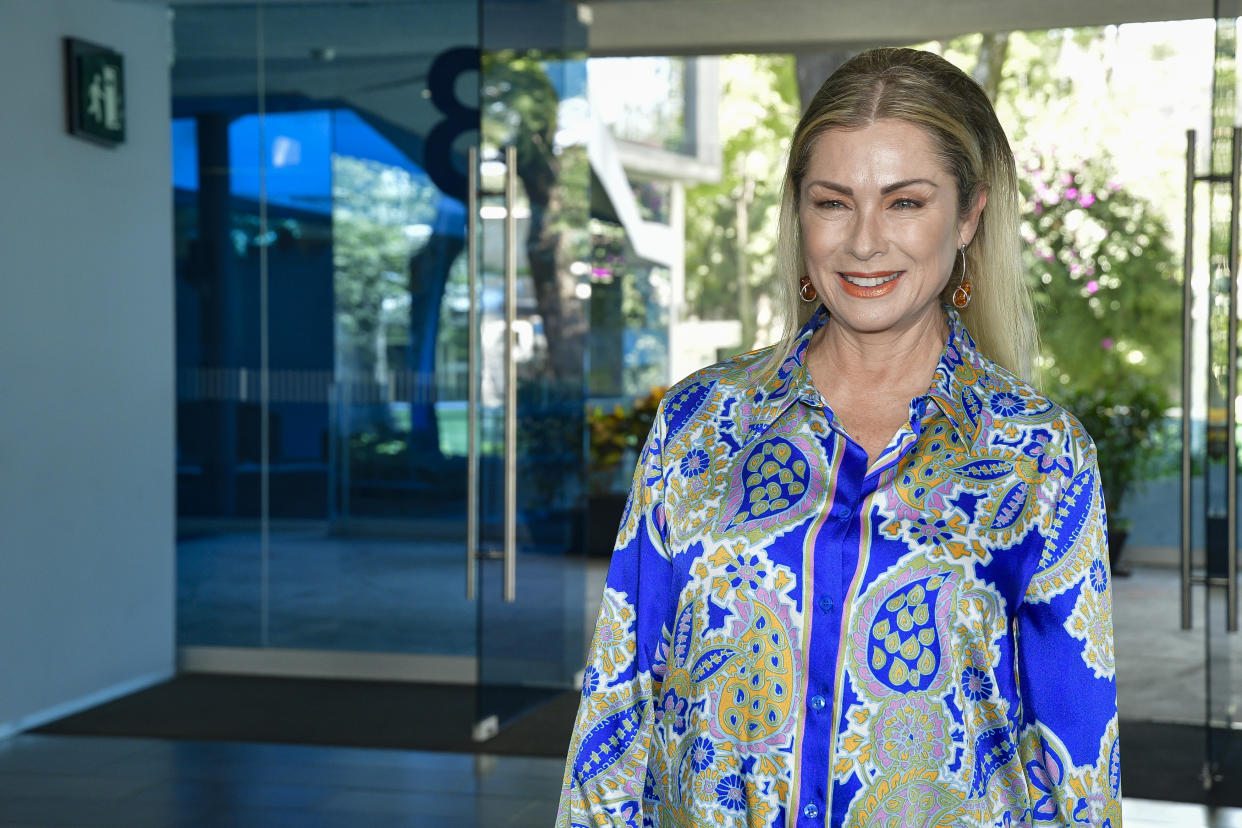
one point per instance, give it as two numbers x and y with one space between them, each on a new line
866 238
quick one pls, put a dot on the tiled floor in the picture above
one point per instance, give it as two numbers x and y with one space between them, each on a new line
397 596
1171 688
94 782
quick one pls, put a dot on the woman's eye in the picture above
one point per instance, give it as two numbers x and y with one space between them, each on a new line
907 204
829 204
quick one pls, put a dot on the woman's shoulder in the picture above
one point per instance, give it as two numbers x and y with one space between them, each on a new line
715 390
1016 405
729 377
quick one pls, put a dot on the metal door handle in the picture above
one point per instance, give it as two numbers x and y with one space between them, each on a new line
1187 360
1231 410
472 373
510 536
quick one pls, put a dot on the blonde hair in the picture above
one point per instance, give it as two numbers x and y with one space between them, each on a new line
927 91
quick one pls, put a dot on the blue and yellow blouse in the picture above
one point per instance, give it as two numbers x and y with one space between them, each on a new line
791 637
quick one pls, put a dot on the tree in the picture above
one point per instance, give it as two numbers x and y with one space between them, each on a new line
521 108
731 224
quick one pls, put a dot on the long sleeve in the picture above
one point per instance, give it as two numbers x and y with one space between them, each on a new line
1068 740
606 768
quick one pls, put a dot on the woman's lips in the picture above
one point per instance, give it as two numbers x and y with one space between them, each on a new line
869 285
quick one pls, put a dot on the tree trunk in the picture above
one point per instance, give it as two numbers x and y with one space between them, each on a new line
991 63
428 269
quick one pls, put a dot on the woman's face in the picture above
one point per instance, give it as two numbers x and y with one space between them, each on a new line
880 225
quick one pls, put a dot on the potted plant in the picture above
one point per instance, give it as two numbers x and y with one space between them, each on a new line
1124 418
617 436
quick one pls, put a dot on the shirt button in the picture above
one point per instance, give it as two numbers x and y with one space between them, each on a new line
818 703
825 603
841 512
811 810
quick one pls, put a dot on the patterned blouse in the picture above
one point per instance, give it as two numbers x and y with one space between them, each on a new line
791 637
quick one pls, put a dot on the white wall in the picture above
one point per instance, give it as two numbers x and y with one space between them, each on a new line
86 370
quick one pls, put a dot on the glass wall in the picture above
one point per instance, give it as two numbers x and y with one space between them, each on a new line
321 325
368 343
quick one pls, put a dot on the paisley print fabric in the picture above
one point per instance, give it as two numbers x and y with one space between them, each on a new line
789 636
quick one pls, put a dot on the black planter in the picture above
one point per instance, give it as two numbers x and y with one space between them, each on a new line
1116 546
603 520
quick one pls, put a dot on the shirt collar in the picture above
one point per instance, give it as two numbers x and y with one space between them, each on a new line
957 385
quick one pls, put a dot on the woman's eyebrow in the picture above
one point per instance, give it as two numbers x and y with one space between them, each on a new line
888 188
900 185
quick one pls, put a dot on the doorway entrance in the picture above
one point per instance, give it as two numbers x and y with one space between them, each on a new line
381 220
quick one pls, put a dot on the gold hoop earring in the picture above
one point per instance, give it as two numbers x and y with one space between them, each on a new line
805 286
961 296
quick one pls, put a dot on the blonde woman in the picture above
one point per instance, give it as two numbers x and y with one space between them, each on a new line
862 578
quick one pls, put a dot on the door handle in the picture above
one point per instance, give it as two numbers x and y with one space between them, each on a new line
510 515
1231 410
472 372
1187 367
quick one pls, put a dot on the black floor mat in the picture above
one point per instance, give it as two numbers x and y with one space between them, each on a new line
332 712
1158 761
1165 761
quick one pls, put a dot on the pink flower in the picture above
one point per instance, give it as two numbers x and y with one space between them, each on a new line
1106 343
1086 199
1071 193
1093 286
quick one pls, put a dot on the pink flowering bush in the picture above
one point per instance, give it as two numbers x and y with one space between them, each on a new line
1107 291
1104 278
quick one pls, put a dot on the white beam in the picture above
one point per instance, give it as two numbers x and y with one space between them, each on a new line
664 27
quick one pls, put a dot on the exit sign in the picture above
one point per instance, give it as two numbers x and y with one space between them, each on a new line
95 92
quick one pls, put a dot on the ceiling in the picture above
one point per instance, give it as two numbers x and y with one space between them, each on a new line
632 27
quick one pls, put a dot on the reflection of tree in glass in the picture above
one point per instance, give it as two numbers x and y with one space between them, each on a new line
521 108
381 216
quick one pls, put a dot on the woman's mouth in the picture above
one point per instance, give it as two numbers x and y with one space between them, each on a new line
870 280
869 285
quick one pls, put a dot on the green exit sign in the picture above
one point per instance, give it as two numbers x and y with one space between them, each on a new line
95 92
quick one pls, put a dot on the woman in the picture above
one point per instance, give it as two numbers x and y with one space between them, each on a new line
862 578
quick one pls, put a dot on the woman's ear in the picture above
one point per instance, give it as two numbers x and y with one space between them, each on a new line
970 223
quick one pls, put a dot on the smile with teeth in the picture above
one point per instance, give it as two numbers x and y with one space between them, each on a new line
872 280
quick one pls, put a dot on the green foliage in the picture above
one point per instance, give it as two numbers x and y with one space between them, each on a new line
758 110
1104 277
1124 417
372 205
618 435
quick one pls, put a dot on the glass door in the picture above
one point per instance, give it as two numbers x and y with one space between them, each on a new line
533 207
380 342
1209 532
1221 184
321 220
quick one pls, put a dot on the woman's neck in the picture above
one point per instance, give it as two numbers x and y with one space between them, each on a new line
845 361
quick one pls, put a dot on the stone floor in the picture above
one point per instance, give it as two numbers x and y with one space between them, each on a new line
98 782
1161 668
334 593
